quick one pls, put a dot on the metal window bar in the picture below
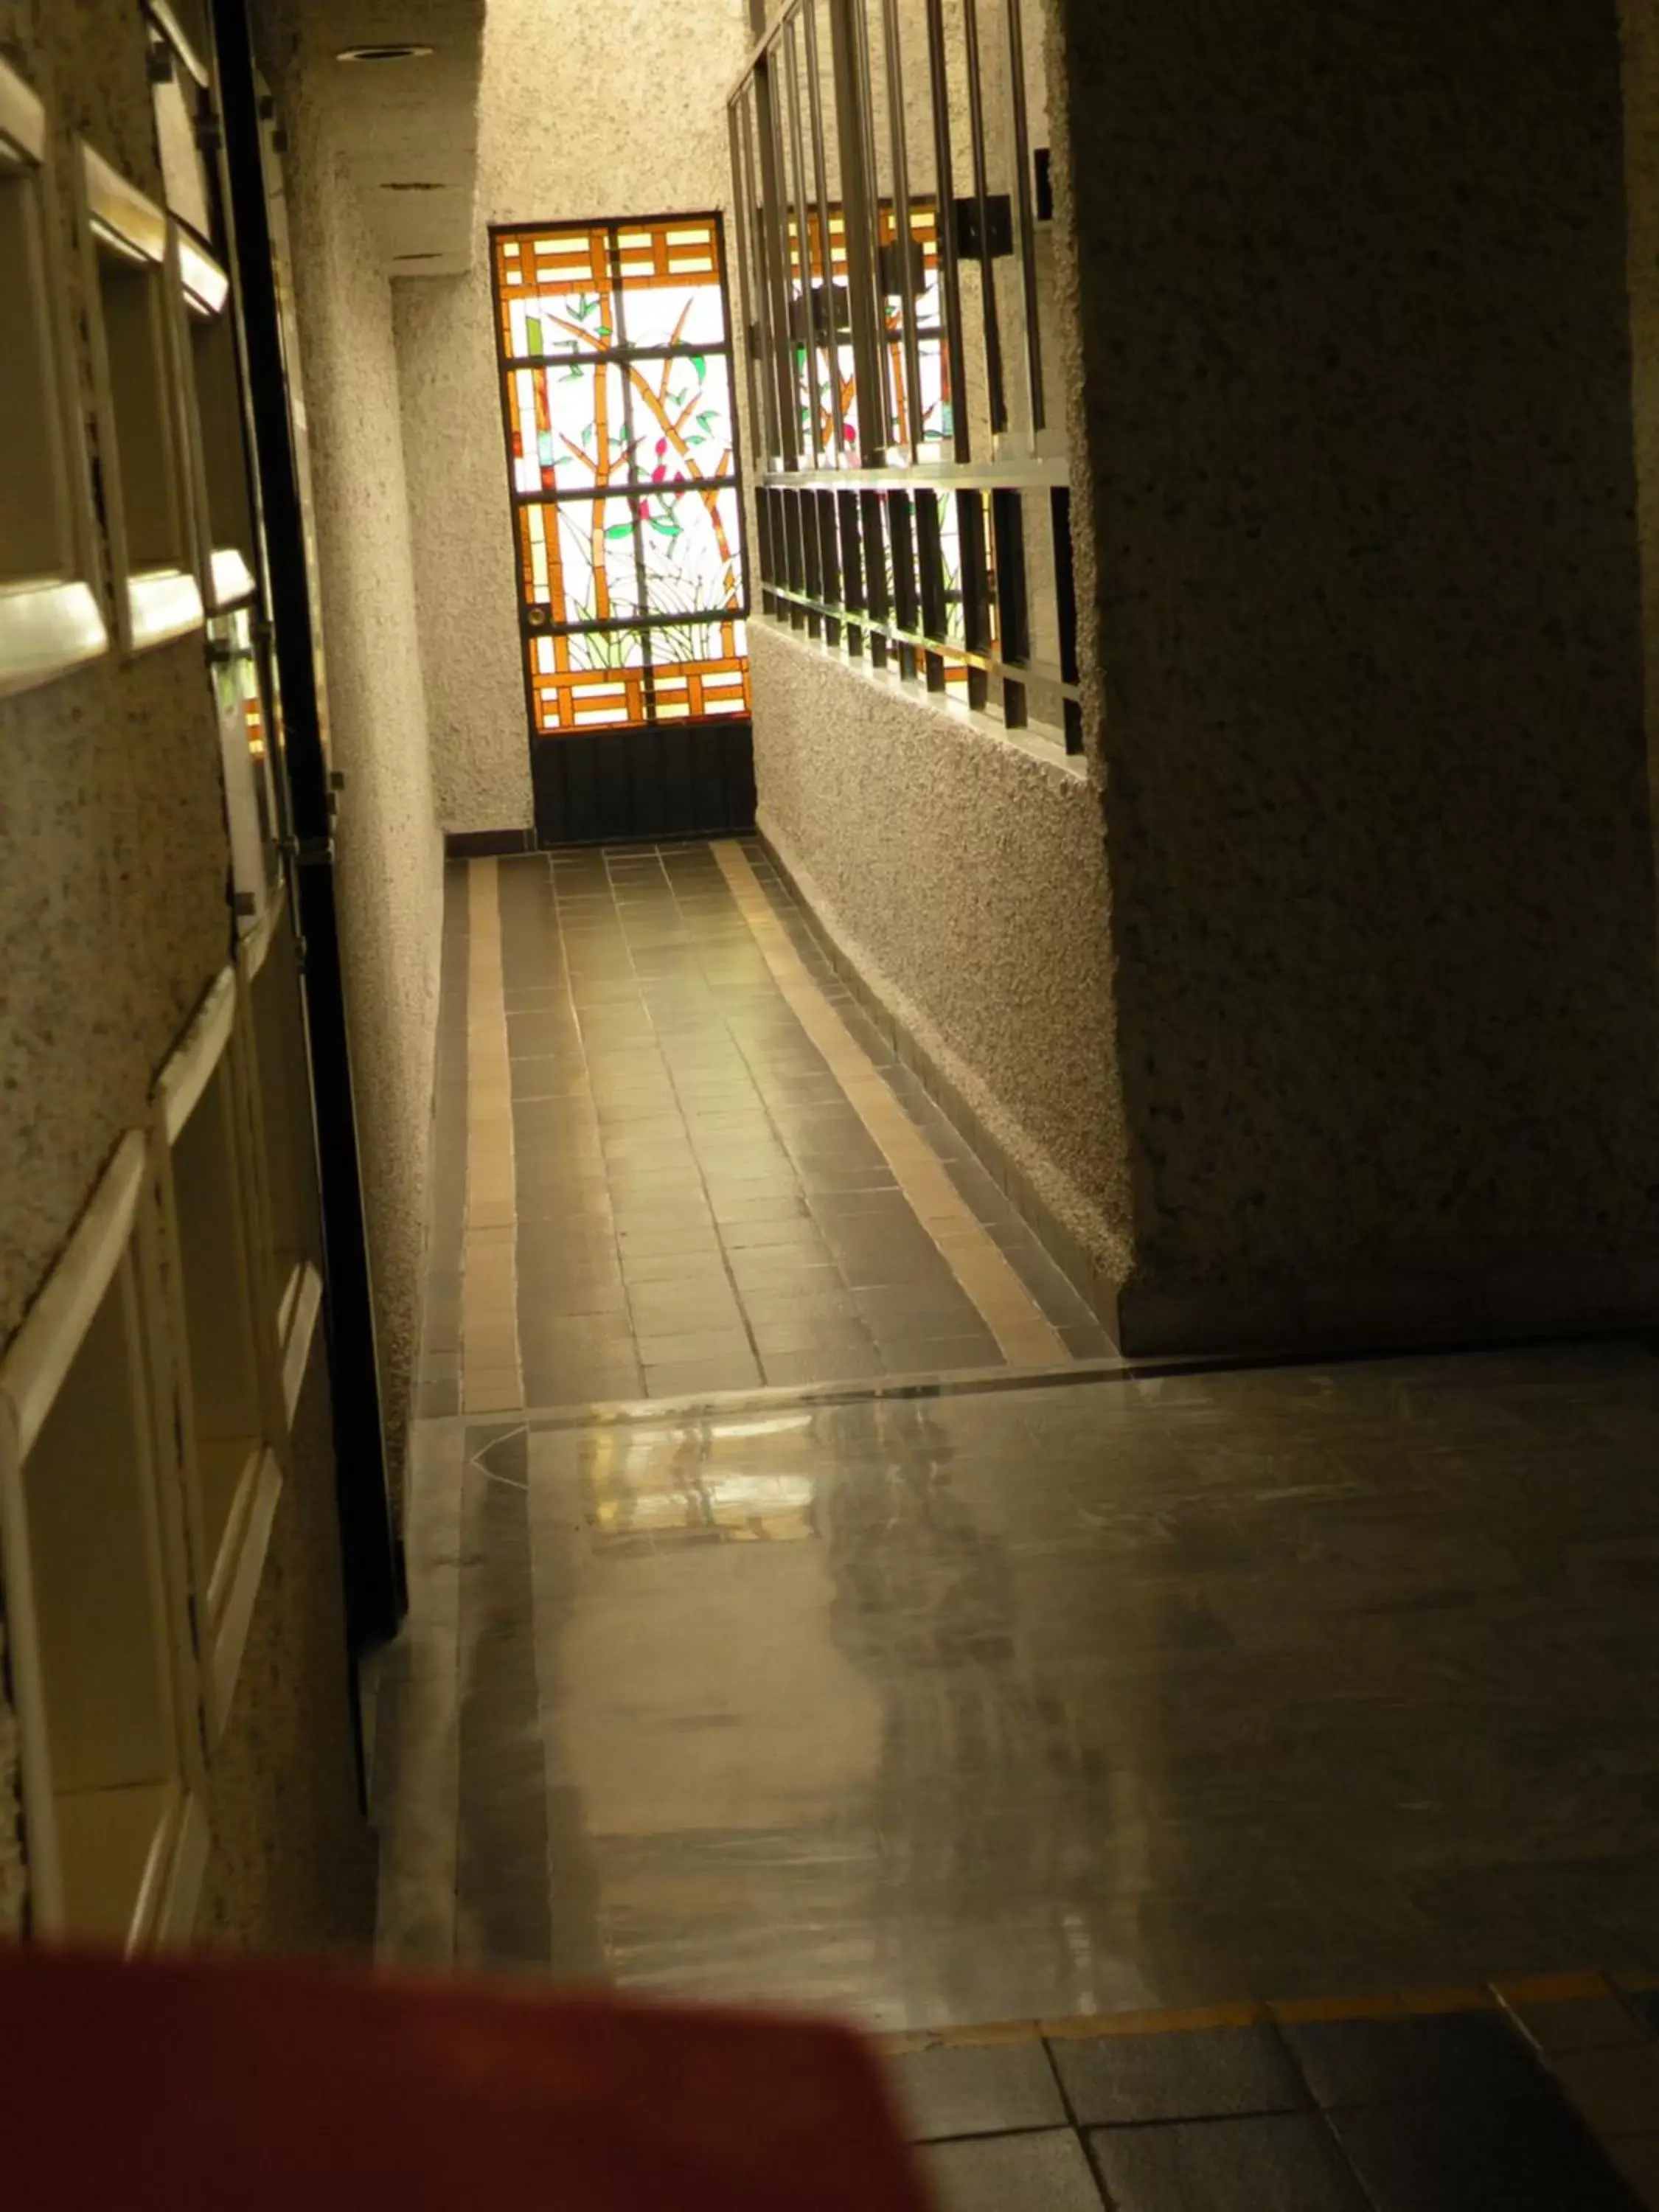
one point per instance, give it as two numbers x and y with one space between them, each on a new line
852 567
801 224
743 205
863 567
1023 208
1012 600
950 278
857 15
823 503
994 376
906 604
773 219
978 622
812 563
1065 601
904 241
826 311
877 598
930 562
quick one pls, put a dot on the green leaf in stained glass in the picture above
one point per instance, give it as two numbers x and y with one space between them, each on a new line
699 367
620 529
532 333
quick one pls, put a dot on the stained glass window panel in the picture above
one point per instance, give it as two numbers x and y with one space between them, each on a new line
674 314
623 472
569 427
690 548
596 549
682 413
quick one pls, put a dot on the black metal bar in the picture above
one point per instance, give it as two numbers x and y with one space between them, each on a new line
829 561
852 142
930 560
904 237
613 622
852 567
907 607
1013 605
998 398
977 626
874 545
812 563
858 14
950 275
740 207
950 650
809 15
633 487
1023 202
758 335
796 156
788 392
1065 607
374 1589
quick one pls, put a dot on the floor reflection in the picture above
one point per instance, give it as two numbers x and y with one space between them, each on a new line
1048 1700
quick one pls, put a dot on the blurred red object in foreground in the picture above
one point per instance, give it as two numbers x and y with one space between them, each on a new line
197 2082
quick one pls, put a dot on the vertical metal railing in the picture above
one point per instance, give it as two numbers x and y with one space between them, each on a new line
937 567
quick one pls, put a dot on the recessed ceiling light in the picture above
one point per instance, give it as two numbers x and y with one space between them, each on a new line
413 187
396 54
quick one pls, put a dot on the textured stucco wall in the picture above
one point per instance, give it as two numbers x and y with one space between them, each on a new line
586 109
1364 579
114 915
390 850
293 1861
961 870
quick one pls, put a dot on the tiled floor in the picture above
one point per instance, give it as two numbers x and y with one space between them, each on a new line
1467 2102
1039 1694
685 1164
1040 1700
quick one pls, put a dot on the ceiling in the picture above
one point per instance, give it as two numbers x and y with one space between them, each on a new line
407 129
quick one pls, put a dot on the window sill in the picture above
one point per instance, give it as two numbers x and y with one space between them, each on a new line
46 629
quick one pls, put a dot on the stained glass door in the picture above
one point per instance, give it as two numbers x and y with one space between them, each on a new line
621 445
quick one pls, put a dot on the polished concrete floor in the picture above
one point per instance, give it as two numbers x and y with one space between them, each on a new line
808 1607
1040 1699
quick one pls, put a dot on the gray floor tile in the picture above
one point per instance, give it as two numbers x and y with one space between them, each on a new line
688 1378
1201 2075
1045 2172
1284 2163
976 2090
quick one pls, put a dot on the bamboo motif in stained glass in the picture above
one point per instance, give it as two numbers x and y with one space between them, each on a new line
617 390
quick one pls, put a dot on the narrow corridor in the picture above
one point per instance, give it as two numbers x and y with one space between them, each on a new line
673 1157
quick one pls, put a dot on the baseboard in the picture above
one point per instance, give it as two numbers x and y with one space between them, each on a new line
1527 1302
487 844
1080 1266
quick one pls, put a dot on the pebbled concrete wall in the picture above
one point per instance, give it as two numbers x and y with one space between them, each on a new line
644 135
1363 583
961 870
114 859
293 1861
390 849
114 917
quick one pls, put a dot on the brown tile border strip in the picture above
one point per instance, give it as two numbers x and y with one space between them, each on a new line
492 1374
1024 1335
1066 1249
1613 2083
